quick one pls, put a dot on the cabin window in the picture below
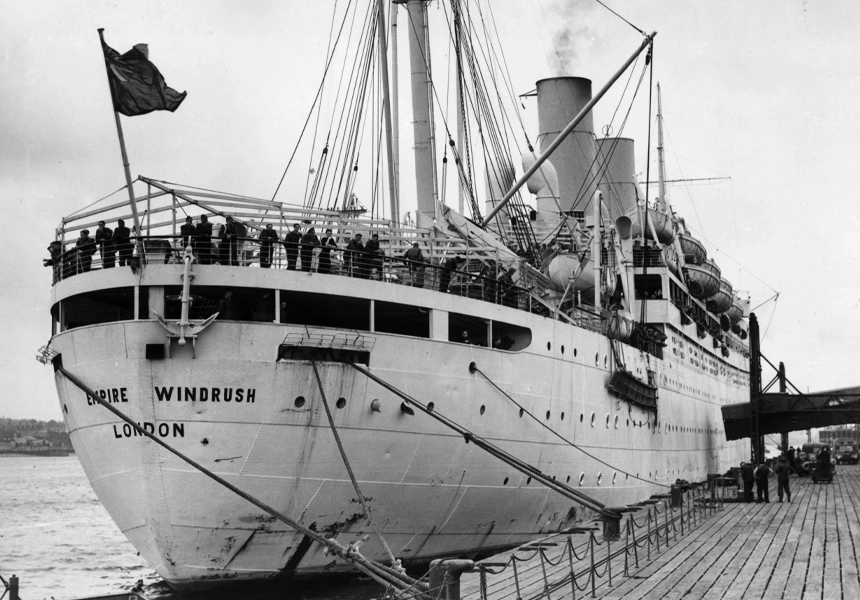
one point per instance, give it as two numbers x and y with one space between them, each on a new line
102 306
143 303
468 329
231 303
511 337
402 319
325 310
648 287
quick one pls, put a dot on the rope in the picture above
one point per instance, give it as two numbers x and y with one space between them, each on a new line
383 575
505 457
349 468
559 436
620 17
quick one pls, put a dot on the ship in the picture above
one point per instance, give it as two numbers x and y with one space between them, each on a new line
574 323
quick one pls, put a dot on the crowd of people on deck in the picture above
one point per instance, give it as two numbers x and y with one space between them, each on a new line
304 251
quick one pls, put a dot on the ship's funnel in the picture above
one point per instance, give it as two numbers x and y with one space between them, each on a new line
617 166
559 100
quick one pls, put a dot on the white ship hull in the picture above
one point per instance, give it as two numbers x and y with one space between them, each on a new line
431 494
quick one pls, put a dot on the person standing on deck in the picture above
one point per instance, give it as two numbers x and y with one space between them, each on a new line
292 242
188 233
86 247
415 261
309 242
122 242
448 268
268 237
229 243
354 256
374 256
782 470
748 479
203 240
104 240
761 473
328 243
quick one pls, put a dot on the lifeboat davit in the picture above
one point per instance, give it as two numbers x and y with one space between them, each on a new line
722 300
663 226
703 281
694 251
736 312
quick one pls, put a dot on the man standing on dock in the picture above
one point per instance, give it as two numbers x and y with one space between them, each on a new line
748 479
761 472
782 470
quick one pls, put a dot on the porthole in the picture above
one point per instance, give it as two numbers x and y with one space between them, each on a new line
562 416
562 349
568 479
592 419
581 478
548 346
430 406
547 415
300 402
483 408
607 421
616 421
505 482
626 476
596 358
628 422
341 402
528 481
581 417
614 477
522 412
599 478
574 352
605 361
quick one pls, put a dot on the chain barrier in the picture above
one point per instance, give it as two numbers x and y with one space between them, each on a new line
587 563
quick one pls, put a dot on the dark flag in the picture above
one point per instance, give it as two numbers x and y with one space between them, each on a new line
136 86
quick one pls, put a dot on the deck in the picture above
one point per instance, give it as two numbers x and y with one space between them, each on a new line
806 549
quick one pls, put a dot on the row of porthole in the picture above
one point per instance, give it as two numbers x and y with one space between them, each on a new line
599 477
596 355
341 403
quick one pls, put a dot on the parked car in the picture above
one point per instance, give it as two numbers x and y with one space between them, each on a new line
808 455
845 451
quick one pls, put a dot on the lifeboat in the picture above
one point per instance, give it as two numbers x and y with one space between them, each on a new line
566 268
703 281
722 300
671 261
736 312
694 251
663 226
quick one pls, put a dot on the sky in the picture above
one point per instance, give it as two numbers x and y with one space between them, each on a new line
762 92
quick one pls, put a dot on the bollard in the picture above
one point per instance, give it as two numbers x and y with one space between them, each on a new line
612 523
13 588
676 496
445 577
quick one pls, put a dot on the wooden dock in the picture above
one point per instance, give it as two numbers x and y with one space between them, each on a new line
806 549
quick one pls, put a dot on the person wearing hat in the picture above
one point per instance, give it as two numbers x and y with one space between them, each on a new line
229 243
268 237
374 256
328 242
188 232
309 242
354 257
104 240
122 242
292 242
203 240
85 247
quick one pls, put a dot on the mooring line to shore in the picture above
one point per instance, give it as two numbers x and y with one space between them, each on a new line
386 576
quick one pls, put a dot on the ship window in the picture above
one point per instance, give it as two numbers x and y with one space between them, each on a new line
143 303
231 303
325 310
102 306
648 287
476 330
511 337
401 319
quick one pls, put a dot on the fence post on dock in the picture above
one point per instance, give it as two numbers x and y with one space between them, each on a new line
593 567
13 588
445 574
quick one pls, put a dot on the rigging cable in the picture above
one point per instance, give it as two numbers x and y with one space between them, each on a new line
562 438
620 17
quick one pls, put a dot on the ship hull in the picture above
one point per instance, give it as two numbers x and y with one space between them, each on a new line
431 493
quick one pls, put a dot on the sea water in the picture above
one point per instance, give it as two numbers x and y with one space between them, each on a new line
60 542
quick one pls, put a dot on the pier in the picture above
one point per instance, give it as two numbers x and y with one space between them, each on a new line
804 549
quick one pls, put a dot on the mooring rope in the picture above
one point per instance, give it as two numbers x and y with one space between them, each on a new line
380 573
352 478
502 455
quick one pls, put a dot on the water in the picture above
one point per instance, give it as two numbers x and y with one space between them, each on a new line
60 542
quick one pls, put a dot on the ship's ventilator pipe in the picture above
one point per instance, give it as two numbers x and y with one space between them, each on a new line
522 467
383 575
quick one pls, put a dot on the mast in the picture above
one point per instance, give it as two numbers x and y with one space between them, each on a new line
395 104
661 170
419 60
386 108
461 117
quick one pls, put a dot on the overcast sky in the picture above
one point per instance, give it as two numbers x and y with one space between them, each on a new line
763 92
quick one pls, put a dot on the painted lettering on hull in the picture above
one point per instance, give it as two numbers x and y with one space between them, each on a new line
111 395
163 430
205 394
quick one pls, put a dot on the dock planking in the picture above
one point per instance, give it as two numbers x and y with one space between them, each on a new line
806 549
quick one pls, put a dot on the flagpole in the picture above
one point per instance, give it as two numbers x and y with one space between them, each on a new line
125 164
